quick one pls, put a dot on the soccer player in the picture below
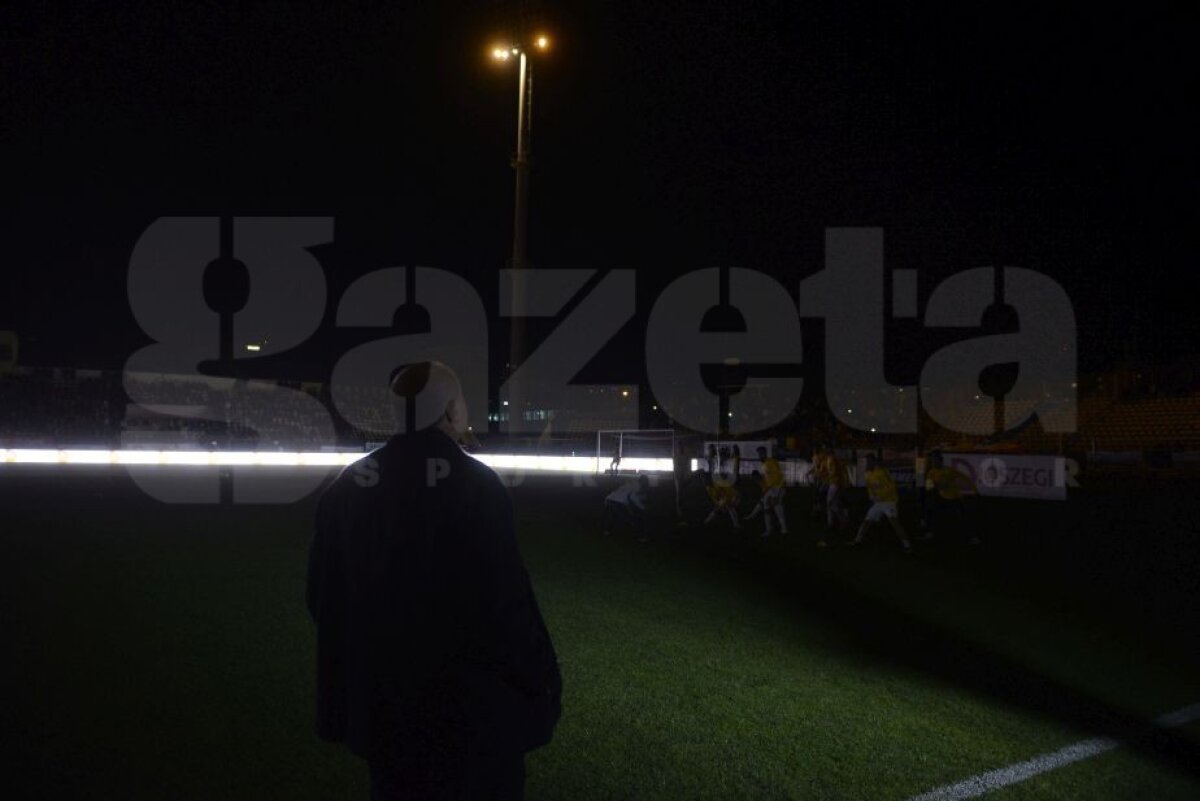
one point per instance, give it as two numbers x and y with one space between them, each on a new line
711 459
735 462
919 484
836 478
947 486
882 490
614 466
627 504
816 477
682 469
771 503
724 497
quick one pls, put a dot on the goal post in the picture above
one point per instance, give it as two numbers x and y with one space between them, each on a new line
635 450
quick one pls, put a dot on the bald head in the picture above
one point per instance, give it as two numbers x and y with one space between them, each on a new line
438 395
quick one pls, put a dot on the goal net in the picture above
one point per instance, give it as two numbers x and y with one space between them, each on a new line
635 450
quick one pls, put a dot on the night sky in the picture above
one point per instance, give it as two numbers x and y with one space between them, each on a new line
668 137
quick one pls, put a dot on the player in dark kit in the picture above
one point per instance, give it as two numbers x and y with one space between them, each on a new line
626 507
433 662
682 469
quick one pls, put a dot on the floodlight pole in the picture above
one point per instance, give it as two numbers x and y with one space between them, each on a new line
520 164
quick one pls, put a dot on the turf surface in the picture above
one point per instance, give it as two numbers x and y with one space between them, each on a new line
164 652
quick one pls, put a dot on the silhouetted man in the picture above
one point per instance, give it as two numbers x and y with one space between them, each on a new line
433 662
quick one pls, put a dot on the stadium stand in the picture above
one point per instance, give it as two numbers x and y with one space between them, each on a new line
1170 423
56 408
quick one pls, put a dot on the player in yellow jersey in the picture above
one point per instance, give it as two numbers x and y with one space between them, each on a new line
882 490
724 497
773 487
947 485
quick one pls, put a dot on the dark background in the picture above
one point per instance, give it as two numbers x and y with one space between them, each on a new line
668 137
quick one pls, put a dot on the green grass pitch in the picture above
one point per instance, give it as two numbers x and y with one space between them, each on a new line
159 652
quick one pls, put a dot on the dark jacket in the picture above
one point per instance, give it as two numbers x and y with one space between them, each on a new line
422 603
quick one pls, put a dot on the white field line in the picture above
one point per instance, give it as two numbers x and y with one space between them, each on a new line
1020 771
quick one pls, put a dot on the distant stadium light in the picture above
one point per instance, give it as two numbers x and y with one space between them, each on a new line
624 393
86 457
253 348
300 459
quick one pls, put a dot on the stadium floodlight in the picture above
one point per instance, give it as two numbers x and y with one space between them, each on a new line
189 458
253 348
299 460
321 459
85 457
32 456
133 458
520 50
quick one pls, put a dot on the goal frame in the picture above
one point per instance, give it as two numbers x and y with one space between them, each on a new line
620 434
